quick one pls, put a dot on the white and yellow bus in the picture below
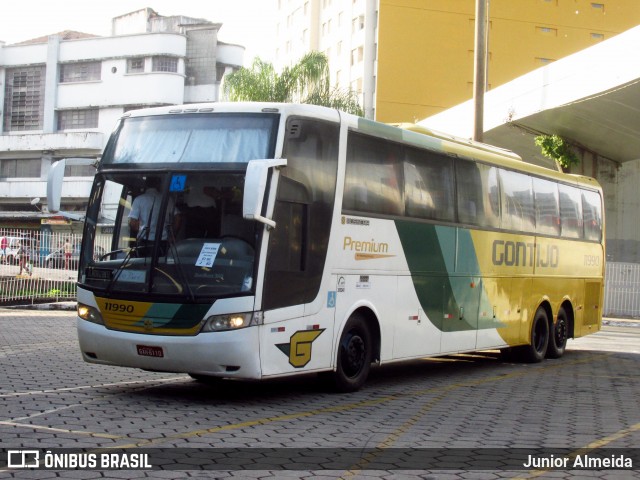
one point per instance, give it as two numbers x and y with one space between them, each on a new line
296 239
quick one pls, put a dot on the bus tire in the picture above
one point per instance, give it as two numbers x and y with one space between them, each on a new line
559 335
537 349
355 352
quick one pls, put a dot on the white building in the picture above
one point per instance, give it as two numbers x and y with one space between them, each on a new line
60 96
338 29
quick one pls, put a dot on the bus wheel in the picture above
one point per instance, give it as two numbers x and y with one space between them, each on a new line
355 352
536 351
559 335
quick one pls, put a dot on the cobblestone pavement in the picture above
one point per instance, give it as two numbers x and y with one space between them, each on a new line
460 405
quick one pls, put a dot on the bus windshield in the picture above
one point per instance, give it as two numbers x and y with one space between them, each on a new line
175 234
192 138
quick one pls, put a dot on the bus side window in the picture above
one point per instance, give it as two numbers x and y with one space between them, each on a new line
428 183
373 182
478 194
517 201
592 211
547 208
570 211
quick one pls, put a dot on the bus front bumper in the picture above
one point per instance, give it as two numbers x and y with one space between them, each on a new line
234 353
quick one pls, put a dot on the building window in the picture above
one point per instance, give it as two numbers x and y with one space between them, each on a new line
544 61
80 72
356 55
79 171
23 168
164 64
357 24
597 36
598 7
200 61
135 65
70 119
24 98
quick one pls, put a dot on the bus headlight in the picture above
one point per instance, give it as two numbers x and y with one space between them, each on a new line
217 323
90 314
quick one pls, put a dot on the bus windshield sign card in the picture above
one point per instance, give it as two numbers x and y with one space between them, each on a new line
208 255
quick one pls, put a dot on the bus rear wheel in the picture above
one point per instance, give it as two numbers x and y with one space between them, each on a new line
355 352
559 335
537 349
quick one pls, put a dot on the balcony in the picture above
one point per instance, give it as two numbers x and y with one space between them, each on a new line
89 142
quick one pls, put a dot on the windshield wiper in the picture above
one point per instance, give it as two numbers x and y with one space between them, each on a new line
124 263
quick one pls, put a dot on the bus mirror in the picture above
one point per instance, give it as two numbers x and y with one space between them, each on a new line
54 185
255 187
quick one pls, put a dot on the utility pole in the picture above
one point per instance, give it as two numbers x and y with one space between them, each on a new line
480 67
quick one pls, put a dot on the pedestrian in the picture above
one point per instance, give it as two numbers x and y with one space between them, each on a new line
3 249
23 253
68 249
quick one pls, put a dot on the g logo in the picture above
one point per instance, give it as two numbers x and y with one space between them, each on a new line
299 347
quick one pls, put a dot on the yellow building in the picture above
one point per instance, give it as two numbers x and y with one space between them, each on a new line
425 49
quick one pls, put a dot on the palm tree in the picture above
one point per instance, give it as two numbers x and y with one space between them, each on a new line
305 82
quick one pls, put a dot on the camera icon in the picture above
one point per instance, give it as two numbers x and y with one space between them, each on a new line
23 458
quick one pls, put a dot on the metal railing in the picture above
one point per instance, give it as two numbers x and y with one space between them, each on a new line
622 290
34 268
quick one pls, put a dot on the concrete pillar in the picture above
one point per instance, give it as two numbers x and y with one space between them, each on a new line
51 85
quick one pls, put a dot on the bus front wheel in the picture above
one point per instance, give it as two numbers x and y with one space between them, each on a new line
559 335
355 352
536 351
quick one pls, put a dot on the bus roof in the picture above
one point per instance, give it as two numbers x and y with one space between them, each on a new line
404 133
240 107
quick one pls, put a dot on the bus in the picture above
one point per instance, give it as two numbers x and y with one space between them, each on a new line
290 239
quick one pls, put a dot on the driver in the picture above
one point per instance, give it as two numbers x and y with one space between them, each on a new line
145 210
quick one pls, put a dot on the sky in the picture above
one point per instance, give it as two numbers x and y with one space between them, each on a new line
250 23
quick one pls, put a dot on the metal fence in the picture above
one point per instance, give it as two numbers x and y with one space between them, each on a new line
622 290
34 267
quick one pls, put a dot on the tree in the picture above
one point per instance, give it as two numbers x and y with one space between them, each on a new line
305 82
556 148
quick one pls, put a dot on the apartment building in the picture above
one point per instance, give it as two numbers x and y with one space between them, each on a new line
62 94
338 29
410 59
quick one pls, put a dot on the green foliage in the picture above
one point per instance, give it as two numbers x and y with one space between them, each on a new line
556 148
305 82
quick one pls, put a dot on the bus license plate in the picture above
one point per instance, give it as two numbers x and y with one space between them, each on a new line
150 351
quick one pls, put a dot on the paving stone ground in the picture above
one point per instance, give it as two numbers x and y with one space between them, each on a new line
454 408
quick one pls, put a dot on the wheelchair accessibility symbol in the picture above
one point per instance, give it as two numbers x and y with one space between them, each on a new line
331 300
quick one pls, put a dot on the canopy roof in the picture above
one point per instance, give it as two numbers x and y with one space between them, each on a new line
590 98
